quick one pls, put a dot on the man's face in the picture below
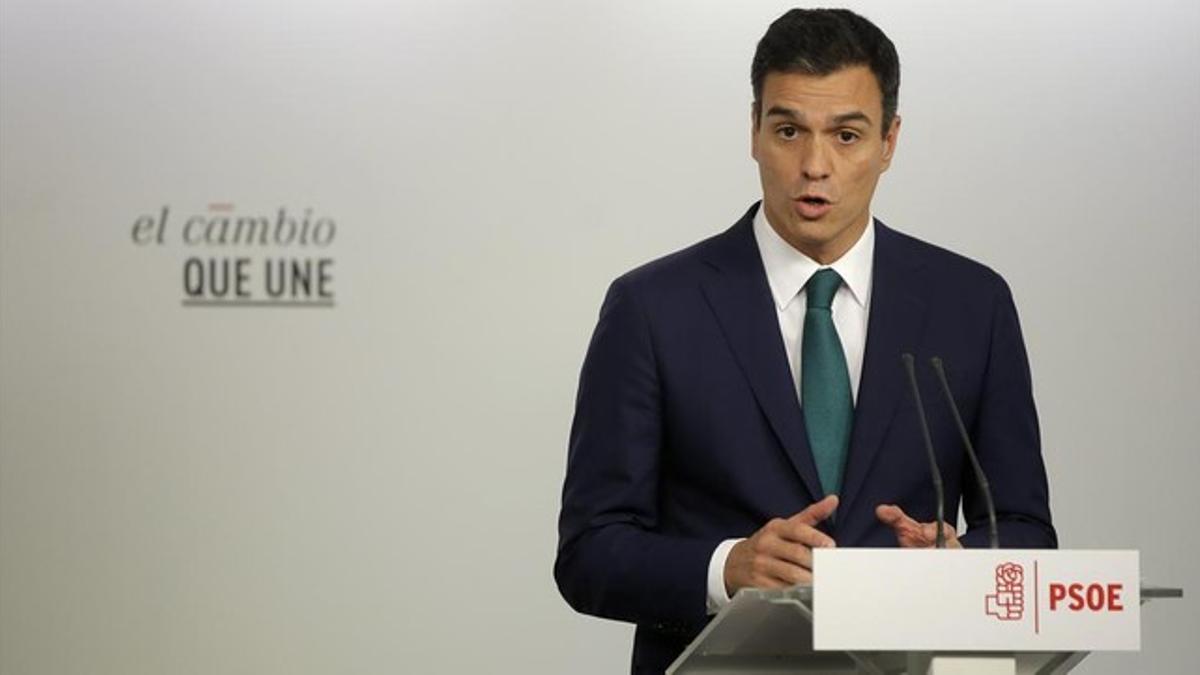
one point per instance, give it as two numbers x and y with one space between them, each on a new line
820 153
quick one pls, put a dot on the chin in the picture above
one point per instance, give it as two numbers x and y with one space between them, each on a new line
816 232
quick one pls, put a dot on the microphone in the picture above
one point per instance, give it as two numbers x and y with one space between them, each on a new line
980 477
940 541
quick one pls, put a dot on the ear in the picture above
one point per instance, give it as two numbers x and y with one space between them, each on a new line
754 108
889 142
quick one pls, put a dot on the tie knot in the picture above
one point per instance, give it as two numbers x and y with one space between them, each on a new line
822 287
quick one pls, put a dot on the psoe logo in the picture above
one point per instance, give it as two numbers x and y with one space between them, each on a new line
1008 602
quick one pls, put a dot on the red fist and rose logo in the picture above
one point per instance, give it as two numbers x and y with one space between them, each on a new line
1008 602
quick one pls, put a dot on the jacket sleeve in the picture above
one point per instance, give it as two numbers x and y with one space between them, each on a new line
612 559
1007 440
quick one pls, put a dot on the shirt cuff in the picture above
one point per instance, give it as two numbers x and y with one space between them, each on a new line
717 596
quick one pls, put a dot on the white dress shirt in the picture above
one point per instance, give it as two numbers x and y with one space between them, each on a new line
788 270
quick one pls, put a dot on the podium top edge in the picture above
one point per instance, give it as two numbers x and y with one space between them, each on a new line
804 592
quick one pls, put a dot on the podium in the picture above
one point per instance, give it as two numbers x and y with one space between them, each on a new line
771 632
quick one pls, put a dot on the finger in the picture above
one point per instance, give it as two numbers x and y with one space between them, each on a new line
952 539
785 573
817 511
893 516
796 532
924 535
790 552
912 537
908 531
929 533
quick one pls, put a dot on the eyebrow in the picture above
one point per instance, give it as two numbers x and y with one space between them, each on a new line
855 116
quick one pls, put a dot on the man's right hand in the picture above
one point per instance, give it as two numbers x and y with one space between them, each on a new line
780 553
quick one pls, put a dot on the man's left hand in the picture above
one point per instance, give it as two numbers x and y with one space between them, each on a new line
910 533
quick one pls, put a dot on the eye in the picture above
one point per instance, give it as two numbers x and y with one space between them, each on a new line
846 136
787 132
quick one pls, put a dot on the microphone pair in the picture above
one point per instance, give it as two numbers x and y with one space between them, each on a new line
980 477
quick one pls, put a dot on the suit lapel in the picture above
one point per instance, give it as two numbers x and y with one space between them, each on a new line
741 299
894 327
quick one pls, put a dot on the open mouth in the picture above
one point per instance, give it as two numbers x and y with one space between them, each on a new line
812 207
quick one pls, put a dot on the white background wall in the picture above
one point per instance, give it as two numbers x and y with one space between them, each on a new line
373 486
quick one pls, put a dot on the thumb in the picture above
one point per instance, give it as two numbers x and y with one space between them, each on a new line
890 514
818 511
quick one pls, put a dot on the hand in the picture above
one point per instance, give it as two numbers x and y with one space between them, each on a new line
912 534
780 553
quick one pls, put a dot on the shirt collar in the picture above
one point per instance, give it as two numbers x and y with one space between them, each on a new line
788 270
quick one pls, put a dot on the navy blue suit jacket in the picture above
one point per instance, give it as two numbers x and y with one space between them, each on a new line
687 428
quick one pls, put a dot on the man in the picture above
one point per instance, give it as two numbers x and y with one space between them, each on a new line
743 401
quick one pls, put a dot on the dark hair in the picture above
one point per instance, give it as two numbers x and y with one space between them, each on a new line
822 41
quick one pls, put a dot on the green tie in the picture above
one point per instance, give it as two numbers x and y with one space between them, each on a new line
825 383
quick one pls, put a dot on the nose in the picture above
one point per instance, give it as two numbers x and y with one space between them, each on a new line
815 161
